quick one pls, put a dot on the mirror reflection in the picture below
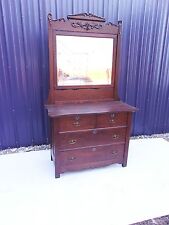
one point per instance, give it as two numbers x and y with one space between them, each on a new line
83 60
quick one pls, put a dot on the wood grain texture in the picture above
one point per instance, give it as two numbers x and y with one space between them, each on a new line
92 107
93 137
85 157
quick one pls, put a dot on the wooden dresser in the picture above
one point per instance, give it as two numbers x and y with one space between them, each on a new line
90 126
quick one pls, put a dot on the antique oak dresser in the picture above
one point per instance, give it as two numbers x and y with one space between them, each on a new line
90 126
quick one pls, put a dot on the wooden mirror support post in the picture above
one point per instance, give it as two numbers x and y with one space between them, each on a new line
90 126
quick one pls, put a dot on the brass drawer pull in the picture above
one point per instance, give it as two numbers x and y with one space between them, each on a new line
112 116
114 152
72 158
112 121
76 124
115 136
94 131
93 149
77 117
72 142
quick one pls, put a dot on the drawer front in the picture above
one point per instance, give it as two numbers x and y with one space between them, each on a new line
77 122
112 119
87 156
91 138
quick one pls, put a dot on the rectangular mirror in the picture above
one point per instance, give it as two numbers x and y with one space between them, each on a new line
83 60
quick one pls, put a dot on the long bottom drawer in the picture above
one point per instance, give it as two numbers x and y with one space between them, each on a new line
90 157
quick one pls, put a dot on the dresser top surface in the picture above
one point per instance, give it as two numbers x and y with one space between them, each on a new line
64 109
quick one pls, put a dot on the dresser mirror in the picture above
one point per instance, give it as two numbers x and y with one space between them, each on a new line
82 61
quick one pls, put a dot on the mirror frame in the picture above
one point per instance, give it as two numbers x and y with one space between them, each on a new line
83 25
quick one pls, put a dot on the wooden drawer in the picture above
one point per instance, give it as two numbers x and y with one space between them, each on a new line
112 119
84 158
77 122
70 140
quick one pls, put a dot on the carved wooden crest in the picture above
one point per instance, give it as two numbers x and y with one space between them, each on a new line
86 26
85 21
86 16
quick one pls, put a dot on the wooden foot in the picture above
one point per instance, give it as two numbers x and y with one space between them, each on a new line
124 164
57 175
51 158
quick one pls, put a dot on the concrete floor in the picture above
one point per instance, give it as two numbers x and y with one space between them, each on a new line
30 195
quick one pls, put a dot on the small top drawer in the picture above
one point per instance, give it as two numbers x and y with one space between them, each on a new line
77 122
112 119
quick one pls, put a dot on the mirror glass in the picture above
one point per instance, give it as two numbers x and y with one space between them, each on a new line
83 60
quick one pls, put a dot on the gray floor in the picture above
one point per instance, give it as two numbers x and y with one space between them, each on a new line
164 220
108 195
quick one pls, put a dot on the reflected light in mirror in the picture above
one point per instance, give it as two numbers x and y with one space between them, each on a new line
83 60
